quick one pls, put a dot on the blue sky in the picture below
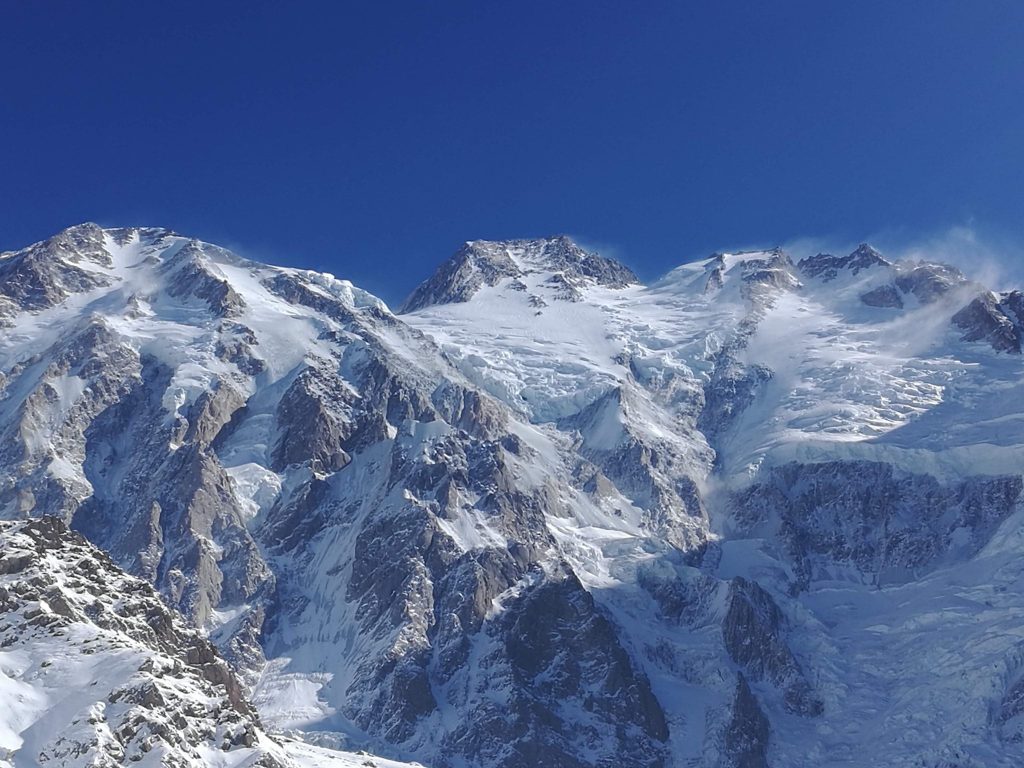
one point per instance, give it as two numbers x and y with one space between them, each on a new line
371 139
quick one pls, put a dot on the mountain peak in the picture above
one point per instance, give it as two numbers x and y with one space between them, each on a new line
487 262
827 266
87 229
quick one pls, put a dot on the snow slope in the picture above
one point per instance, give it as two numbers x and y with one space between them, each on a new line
95 670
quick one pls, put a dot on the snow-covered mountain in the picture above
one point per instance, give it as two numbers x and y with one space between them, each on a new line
96 671
755 513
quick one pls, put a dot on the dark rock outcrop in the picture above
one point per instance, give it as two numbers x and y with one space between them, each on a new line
888 526
480 263
827 267
754 629
746 737
996 320
883 296
46 273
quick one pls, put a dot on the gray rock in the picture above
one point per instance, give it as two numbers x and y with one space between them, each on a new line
480 263
193 276
928 282
316 419
753 630
764 278
746 738
827 267
45 274
731 389
182 696
883 296
887 525
999 321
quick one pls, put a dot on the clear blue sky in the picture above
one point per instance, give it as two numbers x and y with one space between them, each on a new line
371 139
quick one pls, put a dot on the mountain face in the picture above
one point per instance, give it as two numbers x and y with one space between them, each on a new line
95 670
158 690
479 264
755 513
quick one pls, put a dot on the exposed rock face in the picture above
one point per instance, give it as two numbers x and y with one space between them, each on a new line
551 643
746 740
923 283
480 263
731 389
997 320
754 637
159 690
928 282
827 267
47 273
459 278
884 525
179 498
193 276
883 296
316 415
764 277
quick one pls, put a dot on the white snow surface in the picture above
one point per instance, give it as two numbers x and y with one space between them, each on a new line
849 379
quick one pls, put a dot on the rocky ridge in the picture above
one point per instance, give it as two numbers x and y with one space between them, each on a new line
480 263
159 693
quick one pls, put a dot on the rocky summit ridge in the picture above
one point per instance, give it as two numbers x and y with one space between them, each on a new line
758 512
